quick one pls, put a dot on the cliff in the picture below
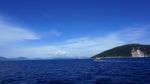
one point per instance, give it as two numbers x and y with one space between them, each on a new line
129 50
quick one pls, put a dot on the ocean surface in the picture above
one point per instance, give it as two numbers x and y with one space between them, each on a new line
86 71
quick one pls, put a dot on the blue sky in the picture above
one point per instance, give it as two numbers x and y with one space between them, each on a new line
70 28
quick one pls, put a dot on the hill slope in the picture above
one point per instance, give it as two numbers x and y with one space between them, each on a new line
121 51
3 58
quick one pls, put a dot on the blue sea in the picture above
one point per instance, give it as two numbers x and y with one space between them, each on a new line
74 71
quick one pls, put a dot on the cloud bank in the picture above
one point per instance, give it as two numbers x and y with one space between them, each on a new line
81 47
73 48
10 33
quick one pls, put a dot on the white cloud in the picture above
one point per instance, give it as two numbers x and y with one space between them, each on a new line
135 34
54 33
72 48
81 47
10 33
88 46
50 33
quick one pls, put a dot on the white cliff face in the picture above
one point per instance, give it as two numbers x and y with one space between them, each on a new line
134 53
138 53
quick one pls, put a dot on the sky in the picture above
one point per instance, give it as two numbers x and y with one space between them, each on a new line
70 28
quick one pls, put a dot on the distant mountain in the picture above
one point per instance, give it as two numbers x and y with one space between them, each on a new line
21 58
18 58
3 58
125 51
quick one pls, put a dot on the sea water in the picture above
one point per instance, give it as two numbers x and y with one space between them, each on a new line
72 71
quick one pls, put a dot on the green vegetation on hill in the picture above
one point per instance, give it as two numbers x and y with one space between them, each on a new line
120 51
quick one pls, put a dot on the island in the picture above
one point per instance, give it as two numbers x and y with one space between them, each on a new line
128 50
9 59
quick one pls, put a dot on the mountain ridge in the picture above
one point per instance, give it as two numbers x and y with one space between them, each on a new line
122 51
17 58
